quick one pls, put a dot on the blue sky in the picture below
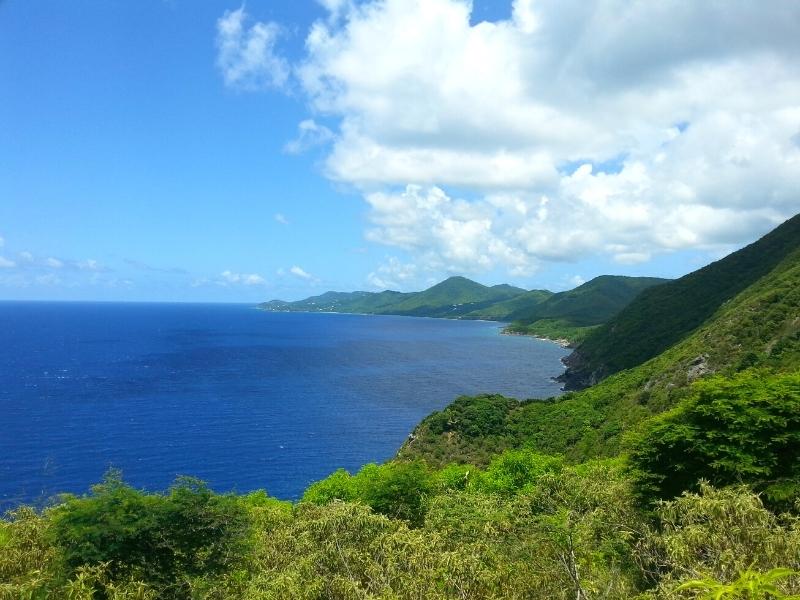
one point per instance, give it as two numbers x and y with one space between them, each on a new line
141 160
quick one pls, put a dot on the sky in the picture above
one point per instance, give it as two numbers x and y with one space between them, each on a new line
173 150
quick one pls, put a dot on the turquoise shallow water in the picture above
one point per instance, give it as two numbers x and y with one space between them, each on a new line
241 398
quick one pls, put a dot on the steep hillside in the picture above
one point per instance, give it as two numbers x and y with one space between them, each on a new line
663 315
594 302
758 328
571 316
501 311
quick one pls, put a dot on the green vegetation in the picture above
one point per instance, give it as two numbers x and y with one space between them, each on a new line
758 328
746 428
503 311
456 297
566 314
552 329
453 297
664 315
594 302
528 526
676 479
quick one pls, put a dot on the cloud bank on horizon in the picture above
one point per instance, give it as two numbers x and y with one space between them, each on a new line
626 129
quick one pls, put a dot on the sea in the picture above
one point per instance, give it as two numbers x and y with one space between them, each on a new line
241 398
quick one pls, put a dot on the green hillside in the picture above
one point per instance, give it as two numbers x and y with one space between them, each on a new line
663 315
677 479
594 302
571 316
456 296
568 314
758 328
501 311
346 302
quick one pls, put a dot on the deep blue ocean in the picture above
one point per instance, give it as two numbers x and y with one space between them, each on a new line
241 398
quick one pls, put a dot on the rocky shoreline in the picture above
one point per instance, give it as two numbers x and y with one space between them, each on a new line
563 342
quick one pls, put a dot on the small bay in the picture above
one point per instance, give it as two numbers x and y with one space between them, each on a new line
241 398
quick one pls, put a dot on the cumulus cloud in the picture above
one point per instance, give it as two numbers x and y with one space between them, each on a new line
248 279
299 272
246 55
5 263
393 274
281 218
568 129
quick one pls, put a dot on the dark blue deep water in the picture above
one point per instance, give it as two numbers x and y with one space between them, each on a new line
241 398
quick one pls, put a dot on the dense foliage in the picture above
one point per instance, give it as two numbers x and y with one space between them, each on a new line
457 297
148 537
552 329
676 479
744 429
591 303
758 328
663 315
528 526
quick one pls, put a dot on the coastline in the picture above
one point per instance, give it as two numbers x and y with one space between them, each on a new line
563 342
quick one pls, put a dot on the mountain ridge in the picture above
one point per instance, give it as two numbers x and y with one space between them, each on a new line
759 328
457 297
640 331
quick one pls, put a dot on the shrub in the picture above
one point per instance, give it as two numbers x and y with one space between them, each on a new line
745 429
158 539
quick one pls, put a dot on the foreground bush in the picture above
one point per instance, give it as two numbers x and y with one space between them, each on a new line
722 536
162 540
745 429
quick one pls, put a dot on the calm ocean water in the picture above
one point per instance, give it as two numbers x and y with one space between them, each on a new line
238 397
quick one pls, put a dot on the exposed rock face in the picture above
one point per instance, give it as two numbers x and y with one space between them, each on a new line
698 367
578 376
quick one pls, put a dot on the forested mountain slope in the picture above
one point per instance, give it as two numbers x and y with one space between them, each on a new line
663 315
759 327
452 297
590 304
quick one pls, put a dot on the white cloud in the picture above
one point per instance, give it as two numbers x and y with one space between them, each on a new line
54 263
254 279
309 135
281 218
570 128
6 263
229 277
246 56
393 275
697 104
576 280
2 241
302 274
